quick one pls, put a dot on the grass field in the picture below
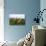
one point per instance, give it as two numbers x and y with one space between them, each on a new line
16 21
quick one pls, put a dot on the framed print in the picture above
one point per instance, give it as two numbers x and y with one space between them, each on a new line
17 19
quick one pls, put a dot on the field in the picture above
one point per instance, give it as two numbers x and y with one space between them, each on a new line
16 21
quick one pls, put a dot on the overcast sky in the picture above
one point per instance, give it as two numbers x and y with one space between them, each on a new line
17 16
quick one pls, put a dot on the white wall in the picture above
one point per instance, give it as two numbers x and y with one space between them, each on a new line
1 21
43 6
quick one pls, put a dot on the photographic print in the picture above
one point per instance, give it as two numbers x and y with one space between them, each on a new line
17 19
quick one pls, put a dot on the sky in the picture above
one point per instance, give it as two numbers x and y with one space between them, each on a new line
17 16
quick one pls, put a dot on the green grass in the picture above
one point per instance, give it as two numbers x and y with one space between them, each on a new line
15 21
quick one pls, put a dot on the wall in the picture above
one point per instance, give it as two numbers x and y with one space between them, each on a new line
27 7
43 6
1 20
